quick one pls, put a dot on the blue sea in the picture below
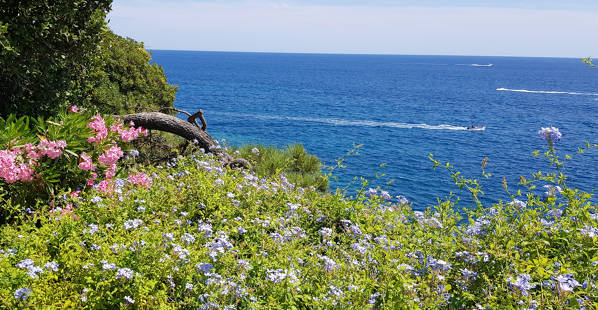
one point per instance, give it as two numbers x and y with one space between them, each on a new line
401 108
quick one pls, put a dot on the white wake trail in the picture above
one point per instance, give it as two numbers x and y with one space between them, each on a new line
343 122
546 92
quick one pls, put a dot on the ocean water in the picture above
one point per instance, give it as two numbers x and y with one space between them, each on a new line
401 108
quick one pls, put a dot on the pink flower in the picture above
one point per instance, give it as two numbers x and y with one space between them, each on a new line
12 167
128 134
141 179
73 109
106 186
86 163
99 125
90 182
52 149
111 156
111 171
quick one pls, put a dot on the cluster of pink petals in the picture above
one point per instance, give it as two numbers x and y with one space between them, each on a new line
99 125
111 156
17 164
140 179
11 170
73 109
86 162
106 186
128 134
52 149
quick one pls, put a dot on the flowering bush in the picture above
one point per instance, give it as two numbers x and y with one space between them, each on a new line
41 158
202 236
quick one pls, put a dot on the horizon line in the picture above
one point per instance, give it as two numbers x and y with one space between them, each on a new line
357 54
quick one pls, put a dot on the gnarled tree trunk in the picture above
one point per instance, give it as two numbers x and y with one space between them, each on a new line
189 130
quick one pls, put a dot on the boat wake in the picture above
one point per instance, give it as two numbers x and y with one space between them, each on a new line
476 65
547 92
343 122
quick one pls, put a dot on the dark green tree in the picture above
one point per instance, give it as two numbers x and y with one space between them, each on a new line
124 79
47 49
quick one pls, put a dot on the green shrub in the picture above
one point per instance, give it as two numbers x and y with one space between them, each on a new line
40 159
298 166
203 236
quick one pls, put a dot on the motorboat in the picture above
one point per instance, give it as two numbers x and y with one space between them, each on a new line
476 128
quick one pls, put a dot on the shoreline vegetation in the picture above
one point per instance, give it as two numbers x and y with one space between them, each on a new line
96 212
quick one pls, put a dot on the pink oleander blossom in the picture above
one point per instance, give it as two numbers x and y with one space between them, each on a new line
86 162
106 186
73 109
12 169
52 149
130 134
99 125
112 155
111 171
141 179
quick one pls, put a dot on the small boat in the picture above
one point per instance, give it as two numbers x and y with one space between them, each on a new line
476 128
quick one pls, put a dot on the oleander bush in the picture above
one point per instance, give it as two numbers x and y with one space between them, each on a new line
200 236
39 159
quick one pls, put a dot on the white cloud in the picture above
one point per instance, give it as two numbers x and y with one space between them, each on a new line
281 26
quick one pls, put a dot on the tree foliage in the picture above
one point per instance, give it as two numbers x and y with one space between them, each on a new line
55 53
47 48
125 80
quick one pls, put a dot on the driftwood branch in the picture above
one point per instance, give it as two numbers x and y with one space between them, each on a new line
185 129
192 117
198 114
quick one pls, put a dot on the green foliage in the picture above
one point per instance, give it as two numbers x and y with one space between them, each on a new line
28 138
298 166
203 236
125 81
48 48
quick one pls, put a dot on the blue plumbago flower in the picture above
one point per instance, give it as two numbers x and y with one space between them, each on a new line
204 267
373 298
556 213
522 283
32 270
132 224
518 203
385 195
566 282
478 227
325 232
589 231
279 275
23 293
241 230
26 263
96 199
255 150
550 134
134 153
180 252
329 264
219 182
93 228
124 273
402 200
189 286
469 275
129 299
52 266
405 267
188 238
108 266
371 192
359 248
552 190
438 264
219 245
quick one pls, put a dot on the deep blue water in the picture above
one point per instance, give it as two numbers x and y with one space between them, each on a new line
401 108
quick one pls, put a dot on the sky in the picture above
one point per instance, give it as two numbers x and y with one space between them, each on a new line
536 28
